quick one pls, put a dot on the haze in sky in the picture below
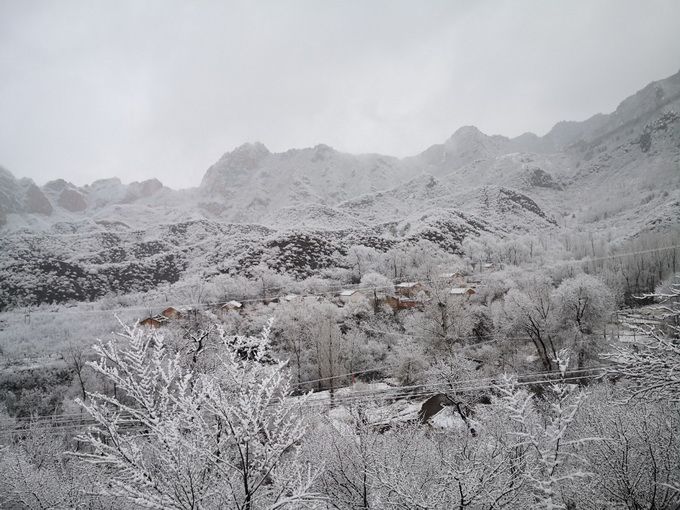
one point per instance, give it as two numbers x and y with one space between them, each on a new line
162 88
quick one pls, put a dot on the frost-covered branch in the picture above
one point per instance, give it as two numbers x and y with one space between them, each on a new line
652 364
172 438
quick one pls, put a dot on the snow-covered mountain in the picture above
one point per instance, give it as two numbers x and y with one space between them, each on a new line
617 171
250 182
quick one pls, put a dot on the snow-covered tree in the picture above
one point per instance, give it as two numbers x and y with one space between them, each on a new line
521 459
652 365
348 451
441 320
327 344
308 334
570 314
425 260
269 281
362 259
543 454
34 475
294 337
635 464
530 312
407 363
360 353
394 263
173 438
584 302
379 285
450 371
474 252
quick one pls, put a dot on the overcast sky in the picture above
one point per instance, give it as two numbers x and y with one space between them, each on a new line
141 88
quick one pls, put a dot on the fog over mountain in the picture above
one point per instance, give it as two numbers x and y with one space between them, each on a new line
121 90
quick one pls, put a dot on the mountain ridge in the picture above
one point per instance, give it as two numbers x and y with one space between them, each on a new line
300 210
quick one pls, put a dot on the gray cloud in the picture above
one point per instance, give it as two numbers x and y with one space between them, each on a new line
162 87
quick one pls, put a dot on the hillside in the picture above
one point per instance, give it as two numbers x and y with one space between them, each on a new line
299 211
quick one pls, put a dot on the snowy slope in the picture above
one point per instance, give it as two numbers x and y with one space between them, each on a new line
300 210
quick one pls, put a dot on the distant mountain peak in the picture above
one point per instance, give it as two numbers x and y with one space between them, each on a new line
251 148
6 174
105 183
324 149
236 164
57 185
467 130
247 155
466 134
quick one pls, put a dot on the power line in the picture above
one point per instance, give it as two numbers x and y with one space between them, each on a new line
458 386
330 402
628 254
393 393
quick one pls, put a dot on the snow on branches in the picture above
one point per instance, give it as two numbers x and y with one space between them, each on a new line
543 456
652 364
173 438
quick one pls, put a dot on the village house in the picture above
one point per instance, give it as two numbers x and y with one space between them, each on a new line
171 313
456 278
462 292
351 296
401 303
409 289
154 322
231 306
